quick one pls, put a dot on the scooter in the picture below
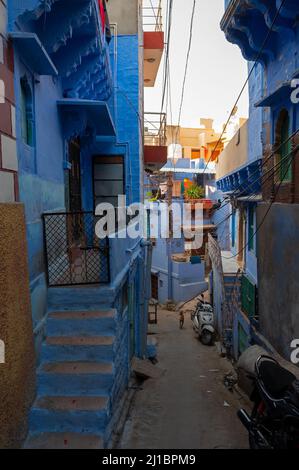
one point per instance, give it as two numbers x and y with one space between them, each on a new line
274 421
203 322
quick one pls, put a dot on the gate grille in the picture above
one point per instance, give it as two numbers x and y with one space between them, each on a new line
74 255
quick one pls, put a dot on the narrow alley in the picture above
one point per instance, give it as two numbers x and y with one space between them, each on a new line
189 406
149 167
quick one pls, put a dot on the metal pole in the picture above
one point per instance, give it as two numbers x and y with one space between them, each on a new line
169 239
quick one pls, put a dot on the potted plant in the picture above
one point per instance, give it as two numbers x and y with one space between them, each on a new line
194 194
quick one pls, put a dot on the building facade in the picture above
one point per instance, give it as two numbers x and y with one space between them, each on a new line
194 143
17 358
266 32
76 141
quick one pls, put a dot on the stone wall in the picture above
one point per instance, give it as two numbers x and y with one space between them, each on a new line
8 152
17 373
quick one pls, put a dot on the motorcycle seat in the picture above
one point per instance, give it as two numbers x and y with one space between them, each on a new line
276 379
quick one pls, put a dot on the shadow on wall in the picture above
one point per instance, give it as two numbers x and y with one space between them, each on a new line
278 273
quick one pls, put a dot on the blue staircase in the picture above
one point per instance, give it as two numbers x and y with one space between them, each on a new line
74 381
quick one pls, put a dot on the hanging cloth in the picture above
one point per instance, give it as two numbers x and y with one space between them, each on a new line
102 14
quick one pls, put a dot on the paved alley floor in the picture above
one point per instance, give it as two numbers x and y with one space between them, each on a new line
189 407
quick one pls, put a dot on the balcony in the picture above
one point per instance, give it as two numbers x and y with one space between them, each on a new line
248 22
155 141
153 40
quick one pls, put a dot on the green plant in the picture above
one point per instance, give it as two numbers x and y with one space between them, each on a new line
195 192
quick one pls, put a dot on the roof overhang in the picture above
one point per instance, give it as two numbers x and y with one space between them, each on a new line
87 112
153 51
281 94
33 53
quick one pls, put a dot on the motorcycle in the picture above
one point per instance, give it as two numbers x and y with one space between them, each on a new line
274 421
203 322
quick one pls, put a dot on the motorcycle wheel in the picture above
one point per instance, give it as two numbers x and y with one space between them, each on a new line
206 338
253 444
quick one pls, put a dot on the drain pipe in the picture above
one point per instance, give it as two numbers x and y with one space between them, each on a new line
169 256
146 244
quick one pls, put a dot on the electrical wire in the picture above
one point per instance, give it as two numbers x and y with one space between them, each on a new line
269 208
186 71
271 172
264 162
166 59
246 81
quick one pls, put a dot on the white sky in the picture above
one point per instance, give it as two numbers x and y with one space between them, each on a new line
217 70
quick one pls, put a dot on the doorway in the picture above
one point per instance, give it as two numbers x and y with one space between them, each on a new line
75 196
155 286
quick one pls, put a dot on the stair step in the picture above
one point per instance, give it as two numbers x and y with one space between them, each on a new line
80 340
84 378
81 323
63 441
83 315
78 349
77 368
87 415
71 403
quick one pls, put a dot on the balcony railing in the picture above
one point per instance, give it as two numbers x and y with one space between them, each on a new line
74 255
152 15
155 129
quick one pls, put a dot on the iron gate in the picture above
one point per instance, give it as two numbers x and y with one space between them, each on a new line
74 255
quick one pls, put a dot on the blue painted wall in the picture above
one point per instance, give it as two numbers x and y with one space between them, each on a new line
41 178
129 120
42 185
255 121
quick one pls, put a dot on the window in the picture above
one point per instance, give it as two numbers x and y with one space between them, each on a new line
251 217
195 153
27 114
285 147
108 180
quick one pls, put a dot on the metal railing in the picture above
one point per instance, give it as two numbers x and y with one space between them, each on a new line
152 15
155 125
74 255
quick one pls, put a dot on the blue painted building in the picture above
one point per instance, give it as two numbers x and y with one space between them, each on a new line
178 272
79 98
267 34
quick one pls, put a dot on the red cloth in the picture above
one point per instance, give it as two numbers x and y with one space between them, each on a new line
102 13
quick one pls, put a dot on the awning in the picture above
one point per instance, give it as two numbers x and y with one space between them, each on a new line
33 53
89 112
280 94
190 171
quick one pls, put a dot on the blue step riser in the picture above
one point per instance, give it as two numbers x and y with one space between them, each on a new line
77 353
85 422
103 327
60 384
